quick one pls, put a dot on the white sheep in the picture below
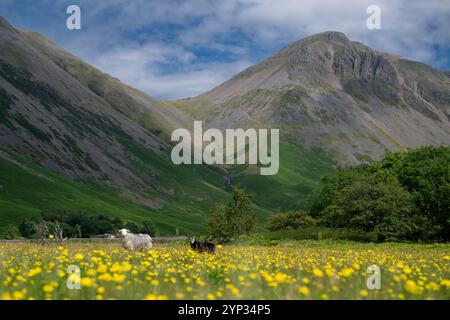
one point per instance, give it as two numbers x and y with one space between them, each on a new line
133 242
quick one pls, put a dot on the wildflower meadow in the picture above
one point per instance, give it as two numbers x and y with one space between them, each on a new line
298 270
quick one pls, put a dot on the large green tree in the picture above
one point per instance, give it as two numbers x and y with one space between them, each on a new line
330 188
425 173
374 205
405 197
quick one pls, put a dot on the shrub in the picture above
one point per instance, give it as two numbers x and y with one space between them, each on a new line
12 232
289 220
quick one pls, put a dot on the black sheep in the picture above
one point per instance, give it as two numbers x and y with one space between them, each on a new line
202 246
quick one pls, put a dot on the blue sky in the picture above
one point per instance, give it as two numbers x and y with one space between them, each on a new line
176 49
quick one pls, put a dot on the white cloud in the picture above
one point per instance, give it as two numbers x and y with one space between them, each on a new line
140 67
240 30
190 83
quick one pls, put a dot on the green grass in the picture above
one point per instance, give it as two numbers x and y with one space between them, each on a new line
28 189
27 192
187 192
309 233
299 173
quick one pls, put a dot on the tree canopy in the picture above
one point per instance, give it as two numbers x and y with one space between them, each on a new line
227 222
404 197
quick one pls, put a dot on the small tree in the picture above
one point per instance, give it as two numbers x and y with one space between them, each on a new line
228 222
58 232
42 233
12 232
41 230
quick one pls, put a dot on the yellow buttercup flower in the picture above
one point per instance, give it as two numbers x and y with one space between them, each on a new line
318 273
346 272
280 277
412 287
79 256
303 290
445 282
48 288
87 282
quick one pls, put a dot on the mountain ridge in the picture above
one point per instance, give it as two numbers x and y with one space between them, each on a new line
329 92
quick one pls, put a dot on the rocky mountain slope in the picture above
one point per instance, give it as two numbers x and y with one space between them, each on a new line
59 113
329 92
69 116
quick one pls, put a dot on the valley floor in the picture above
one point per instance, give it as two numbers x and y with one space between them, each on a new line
297 270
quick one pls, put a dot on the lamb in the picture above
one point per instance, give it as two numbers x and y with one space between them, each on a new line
133 242
202 246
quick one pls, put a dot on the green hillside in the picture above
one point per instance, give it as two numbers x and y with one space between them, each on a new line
299 173
26 189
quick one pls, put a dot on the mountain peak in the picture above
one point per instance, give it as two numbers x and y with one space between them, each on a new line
327 36
333 36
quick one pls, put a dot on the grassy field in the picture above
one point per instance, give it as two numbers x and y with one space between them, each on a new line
300 270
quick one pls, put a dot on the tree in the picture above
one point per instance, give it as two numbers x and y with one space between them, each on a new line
73 224
425 173
227 222
289 220
367 198
218 226
41 232
27 227
241 212
330 188
380 206
12 232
